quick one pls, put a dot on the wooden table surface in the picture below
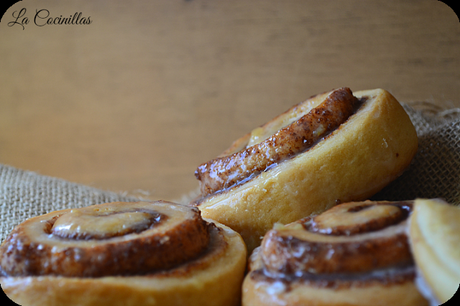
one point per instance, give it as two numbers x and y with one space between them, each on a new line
135 100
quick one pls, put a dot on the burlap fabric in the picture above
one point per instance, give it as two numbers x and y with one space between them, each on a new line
435 170
434 173
25 194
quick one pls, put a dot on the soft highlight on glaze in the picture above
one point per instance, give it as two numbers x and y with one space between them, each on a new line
351 261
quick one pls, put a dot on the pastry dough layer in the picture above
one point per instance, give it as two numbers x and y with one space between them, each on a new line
214 277
107 239
297 265
276 294
369 150
435 240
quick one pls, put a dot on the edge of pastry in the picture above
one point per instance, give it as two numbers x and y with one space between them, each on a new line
365 153
212 275
434 233
356 253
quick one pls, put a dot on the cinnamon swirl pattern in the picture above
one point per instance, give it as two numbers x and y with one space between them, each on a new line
356 253
335 147
262 151
144 253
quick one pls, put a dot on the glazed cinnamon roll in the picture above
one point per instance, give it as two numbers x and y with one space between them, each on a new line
143 253
355 253
434 235
335 147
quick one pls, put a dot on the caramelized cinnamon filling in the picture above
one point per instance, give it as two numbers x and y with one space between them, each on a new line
358 218
326 246
294 132
106 239
96 224
396 275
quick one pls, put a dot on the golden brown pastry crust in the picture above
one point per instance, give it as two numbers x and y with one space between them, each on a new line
126 235
227 171
212 277
434 234
360 157
349 262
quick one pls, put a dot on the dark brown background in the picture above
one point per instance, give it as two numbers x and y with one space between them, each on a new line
136 100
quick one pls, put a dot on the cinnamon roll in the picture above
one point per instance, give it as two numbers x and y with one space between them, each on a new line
434 235
334 147
355 253
143 253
